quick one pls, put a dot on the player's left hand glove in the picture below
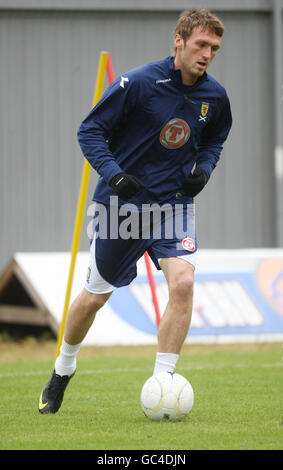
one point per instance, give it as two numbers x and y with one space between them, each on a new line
195 183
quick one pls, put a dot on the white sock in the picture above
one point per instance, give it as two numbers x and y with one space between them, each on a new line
66 362
165 362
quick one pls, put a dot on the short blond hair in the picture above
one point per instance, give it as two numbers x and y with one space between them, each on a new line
191 19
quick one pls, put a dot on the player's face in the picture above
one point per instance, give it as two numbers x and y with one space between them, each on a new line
194 56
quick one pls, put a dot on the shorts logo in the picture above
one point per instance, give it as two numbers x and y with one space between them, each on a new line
174 134
88 275
188 244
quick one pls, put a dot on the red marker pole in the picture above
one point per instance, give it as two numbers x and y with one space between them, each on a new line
109 69
152 287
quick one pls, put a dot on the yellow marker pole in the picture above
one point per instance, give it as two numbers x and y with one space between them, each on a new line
81 203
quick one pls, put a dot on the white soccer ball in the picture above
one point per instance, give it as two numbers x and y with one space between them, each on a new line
167 396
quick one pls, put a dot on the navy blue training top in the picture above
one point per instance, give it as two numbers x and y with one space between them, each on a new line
150 125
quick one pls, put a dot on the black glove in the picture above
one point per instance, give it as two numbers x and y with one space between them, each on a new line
126 186
195 183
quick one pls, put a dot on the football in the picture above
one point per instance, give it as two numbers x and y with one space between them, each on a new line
167 396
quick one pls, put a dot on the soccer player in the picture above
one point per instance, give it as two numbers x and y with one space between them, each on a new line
154 138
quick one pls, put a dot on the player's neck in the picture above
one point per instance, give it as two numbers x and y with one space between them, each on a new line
187 78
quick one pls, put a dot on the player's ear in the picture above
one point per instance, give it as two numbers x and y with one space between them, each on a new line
178 40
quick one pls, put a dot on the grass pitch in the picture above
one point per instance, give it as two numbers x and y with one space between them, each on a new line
238 399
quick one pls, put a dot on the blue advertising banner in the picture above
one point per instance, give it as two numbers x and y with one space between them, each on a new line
241 305
238 296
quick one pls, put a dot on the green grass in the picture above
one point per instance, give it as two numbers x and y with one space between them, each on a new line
238 402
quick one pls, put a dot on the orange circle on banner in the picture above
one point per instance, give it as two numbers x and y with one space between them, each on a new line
269 277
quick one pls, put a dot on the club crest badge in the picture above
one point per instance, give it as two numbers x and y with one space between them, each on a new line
204 109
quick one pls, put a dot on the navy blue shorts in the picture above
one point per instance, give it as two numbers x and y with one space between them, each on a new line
121 235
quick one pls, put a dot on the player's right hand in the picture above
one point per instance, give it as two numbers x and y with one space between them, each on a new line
195 183
126 186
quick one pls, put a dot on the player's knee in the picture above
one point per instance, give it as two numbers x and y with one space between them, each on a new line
181 288
93 302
